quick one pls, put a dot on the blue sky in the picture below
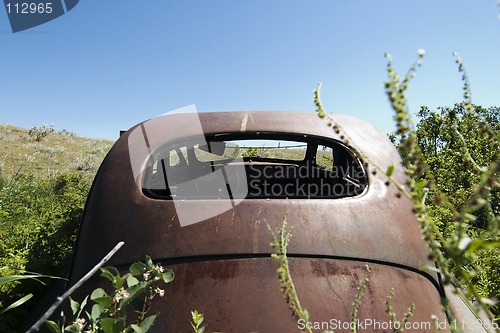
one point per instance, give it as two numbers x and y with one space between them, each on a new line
109 64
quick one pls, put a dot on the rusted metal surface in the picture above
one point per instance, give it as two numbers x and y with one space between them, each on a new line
245 295
221 264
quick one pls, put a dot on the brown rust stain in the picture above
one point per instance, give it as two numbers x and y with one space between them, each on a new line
322 268
317 270
216 270
334 269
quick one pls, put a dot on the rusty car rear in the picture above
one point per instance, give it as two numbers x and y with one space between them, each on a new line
222 261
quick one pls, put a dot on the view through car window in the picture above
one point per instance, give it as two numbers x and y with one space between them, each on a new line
272 166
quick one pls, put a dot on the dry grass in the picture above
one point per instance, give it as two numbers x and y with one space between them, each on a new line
50 154
45 153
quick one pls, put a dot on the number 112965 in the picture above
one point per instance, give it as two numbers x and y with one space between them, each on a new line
29 8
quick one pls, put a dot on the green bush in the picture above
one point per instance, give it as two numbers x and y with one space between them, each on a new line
122 309
459 145
38 225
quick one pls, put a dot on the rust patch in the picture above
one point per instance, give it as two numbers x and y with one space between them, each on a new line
317 270
334 269
216 270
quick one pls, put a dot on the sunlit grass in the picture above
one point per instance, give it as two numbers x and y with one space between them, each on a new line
56 153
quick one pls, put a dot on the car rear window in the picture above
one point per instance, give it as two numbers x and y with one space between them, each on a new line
252 166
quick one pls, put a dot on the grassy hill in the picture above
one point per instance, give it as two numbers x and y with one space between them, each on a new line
44 152
45 176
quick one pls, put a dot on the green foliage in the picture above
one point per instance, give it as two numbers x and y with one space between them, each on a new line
14 278
197 320
461 147
357 300
398 325
125 308
458 146
487 277
46 153
38 224
280 244
452 162
254 152
39 221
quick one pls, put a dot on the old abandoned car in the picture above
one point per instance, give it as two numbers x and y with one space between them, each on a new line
196 193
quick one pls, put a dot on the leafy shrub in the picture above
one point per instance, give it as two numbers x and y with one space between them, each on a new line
38 224
459 145
254 152
39 133
125 307
487 279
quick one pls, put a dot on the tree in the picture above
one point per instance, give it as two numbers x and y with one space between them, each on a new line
458 146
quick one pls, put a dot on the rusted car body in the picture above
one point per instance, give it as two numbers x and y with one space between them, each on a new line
222 264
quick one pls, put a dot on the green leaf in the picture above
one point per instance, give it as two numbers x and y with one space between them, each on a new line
52 326
305 315
63 320
106 301
479 244
17 303
168 276
136 328
421 184
75 306
75 328
148 323
110 273
149 261
82 306
390 170
98 293
97 312
469 217
131 281
107 325
12 278
110 325
99 296
137 268
119 281
197 319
